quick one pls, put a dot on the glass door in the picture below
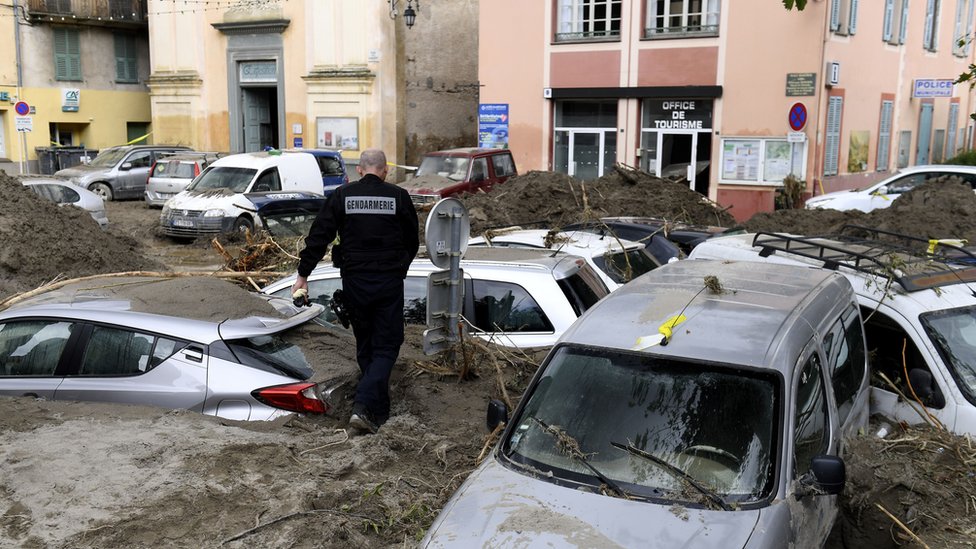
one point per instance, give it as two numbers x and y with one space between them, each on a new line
677 157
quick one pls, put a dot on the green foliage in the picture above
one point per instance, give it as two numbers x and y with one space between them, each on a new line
965 158
799 4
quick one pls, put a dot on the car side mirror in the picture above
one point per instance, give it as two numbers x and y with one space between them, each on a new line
126 166
881 190
925 388
497 414
827 476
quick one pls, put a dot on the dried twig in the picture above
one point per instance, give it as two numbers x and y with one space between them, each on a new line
902 526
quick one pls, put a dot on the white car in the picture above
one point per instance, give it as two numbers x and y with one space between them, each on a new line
63 192
881 194
929 308
617 261
515 298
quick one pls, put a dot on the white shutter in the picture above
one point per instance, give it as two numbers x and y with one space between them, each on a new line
904 22
969 26
832 141
889 12
852 20
952 129
957 27
884 136
835 15
927 38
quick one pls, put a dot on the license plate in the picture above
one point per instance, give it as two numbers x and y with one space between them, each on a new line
182 223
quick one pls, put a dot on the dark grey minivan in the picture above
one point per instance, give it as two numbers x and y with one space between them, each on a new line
119 172
703 404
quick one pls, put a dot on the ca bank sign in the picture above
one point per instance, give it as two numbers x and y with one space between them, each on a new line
931 87
70 99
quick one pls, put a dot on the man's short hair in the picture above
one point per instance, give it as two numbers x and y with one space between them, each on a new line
372 159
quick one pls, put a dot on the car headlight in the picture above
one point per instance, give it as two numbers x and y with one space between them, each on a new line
165 211
818 203
213 213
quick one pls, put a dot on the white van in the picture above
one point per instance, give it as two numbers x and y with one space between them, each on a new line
214 202
919 316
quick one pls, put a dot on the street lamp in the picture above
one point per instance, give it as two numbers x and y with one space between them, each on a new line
409 14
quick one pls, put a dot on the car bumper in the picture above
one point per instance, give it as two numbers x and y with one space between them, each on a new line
157 199
194 224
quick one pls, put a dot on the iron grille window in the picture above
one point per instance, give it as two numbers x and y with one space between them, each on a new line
67 54
126 64
588 19
682 17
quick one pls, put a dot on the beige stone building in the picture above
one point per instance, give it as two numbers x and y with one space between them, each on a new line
348 74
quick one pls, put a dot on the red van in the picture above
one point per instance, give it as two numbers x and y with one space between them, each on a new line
455 171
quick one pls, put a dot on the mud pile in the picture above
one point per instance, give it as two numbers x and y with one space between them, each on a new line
42 241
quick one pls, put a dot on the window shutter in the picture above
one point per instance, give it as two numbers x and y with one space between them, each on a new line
969 26
951 130
889 12
832 145
957 27
120 65
74 55
60 54
835 15
929 17
852 20
904 22
884 136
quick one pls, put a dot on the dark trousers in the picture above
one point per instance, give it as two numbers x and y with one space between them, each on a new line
376 303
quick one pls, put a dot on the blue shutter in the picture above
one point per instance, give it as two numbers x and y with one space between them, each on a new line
924 134
832 141
952 129
852 20
904 22
884 136
835 15
889 12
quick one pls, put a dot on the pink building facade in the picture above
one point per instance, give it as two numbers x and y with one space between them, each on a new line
734 96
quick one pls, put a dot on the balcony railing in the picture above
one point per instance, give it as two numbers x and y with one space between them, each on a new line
612 34
104 11
681 32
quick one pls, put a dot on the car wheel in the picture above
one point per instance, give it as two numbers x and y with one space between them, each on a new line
102 190
243 224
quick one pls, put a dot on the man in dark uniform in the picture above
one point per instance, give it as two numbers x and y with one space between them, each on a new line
378 238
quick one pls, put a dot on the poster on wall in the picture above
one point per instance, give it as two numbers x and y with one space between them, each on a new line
857 160
493 125
337 133
740 160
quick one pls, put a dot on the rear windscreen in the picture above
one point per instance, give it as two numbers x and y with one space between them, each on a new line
583 289
174 170
271 354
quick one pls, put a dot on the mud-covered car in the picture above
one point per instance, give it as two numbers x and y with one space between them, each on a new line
704 404
452 172
119 172
64 193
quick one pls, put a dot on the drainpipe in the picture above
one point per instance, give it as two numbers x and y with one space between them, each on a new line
20 81
822 72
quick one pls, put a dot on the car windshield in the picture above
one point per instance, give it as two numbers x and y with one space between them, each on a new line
954 335
108 158
219 177
173 169
624 266
453 167
712 422
288 223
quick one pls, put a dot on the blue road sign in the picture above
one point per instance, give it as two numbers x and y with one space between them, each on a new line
22 108
798 116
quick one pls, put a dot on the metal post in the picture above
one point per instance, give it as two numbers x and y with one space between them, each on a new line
20 82
454 308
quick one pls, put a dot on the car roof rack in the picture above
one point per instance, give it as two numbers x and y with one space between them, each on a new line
942 264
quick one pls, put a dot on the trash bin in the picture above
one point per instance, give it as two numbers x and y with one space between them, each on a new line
68 157
47 162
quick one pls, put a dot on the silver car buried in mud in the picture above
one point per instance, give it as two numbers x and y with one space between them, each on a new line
677 413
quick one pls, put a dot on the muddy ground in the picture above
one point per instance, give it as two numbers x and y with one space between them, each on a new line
91 475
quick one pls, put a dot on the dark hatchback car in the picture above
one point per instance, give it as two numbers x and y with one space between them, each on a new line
663 239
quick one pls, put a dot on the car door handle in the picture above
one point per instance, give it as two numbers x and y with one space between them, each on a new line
194 354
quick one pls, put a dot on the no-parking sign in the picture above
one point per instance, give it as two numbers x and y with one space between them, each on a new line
798 116
22 108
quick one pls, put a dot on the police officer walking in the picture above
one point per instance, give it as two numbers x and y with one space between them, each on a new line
378 238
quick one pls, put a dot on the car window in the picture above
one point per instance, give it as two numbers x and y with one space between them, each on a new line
907 183
503 164
164 349
267 181
107 158
506 307
844 348
140 159
811 428
221 177
583 289
32 348
59 194
953 332
893 352
174 169
329 165
415 300
622 267
479 169
114 352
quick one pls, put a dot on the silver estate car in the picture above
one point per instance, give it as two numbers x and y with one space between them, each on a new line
118 172
704 404
64 193
86 345
514 297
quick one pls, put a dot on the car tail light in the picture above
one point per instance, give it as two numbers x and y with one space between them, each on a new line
151 170
196 169
294 397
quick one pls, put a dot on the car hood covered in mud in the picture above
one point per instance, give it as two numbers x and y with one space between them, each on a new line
428 184
498 507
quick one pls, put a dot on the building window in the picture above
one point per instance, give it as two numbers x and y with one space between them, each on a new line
843 16
588 19
668 18
884 136
58 6
895 24
962 28
126 66
832 141
762 161
67 54
930 39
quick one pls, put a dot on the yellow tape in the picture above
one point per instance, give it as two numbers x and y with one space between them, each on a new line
934 243
138 139
669 324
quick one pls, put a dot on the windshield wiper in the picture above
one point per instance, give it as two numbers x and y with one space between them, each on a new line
706 491
568 445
